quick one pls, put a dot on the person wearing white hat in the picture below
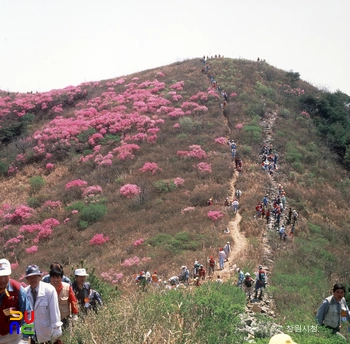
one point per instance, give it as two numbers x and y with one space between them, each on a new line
281 338
12 295
227 249
43 299
86 296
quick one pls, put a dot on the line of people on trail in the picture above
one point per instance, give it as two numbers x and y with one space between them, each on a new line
52 301
268 159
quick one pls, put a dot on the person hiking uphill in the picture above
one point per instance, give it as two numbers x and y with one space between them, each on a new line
334 310
211 265
260 282
240 278
248 285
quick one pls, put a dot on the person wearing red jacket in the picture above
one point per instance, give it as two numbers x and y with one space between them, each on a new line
67 301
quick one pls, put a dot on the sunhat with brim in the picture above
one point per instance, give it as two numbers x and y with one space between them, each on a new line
33 270
80 272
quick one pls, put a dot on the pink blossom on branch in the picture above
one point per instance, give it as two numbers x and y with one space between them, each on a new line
131 261
215 215
99 239
150 166
129 190
239 126
76 183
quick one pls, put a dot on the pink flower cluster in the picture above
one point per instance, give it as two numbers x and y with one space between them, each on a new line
131 261
221 140
195 151
49 166
150 166
32 249
112 276
44 229
52 204
78 183
92 190
99 239
296 91
20 214
138 242
129 190
239 126
179 181
203 167
305 114
214 215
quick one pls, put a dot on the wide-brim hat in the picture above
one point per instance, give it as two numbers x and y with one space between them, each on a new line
281 338
33 270
80 272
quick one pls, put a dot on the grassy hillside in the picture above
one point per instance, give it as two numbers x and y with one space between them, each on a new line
135 159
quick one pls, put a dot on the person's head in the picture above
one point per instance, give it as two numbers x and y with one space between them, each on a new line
247 274
281 338
260 267
155 272
33 275
218 277
56 275
5 272
338 291
238 270
80 276
56 265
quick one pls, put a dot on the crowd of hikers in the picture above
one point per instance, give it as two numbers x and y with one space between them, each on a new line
48 304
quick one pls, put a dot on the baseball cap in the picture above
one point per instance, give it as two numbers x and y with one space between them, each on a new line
32 270
5 267
80 272
281 338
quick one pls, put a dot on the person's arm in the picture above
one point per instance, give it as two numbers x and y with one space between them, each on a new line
73 301
322 311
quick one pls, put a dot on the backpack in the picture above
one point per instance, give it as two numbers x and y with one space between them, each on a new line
248 282
262 276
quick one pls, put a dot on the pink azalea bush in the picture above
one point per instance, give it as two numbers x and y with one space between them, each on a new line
14 266
99 239
138 242
195 151
150 166
179 181
20 214
32 249
78 183
215 215
112 276
221 140
239 126
92 190
204 168
49 167
129 190
131 261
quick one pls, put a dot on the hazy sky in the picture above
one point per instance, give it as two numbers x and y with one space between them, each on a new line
47 44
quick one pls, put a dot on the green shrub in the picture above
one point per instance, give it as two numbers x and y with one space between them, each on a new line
33 202
82 225
93 212
292 152
4 167
83 137
165 185
110 138
87 152
159 240
36 183
79 205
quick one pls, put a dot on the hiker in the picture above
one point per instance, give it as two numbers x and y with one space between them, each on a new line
248 285
196 268
44 301
155 279
227 202
197 282
210 201
260 283
88 298
292 229
227 249
284 201
238 193
265 200
211 265
240 278
185 274
281 232
218 279
267 216
66 299
65 279
222 257
334 310
295 217
174 281
12 295
289 218
258 209
235 205
226 231
201 272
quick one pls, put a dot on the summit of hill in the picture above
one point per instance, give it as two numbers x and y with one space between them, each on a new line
116 175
